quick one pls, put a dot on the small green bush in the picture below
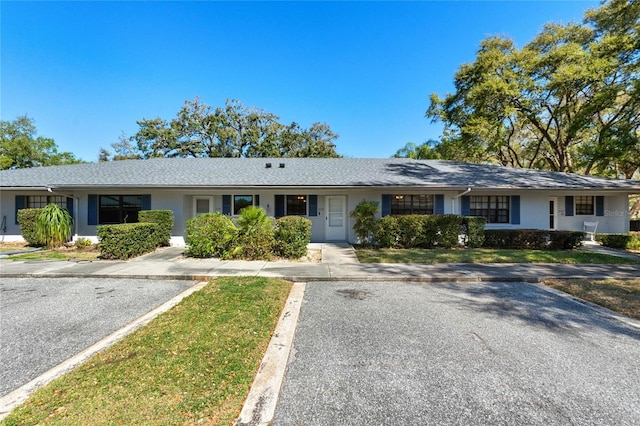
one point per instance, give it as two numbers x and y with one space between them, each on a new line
617 241
210 234
256 235
27 221
365 221
127 240
164 218
82 242
634 244
473 231
292 235
418 231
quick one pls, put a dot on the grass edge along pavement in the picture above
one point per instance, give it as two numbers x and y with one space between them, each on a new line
435 256
192 364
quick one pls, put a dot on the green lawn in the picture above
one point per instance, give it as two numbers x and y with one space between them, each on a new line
484 256
192 365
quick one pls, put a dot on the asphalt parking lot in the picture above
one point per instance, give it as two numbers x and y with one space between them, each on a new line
473 354
44 321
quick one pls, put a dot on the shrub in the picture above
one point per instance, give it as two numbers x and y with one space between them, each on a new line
365 215
164 219
210 234
255 235
53 225
448 228
386 233
82 242
127 240
634 244
473 231
565 240
617 241
292 235
27 220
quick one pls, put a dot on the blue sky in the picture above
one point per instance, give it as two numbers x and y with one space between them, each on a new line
86 71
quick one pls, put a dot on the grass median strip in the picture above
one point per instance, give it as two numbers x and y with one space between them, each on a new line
193 364
622 296
485 256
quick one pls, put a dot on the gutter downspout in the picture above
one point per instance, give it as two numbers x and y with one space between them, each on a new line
76 210
455 197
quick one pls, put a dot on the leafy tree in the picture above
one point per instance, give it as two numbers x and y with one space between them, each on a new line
198 130
20 147
123 150
567 101
429 150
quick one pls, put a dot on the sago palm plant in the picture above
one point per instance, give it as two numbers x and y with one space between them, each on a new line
53 226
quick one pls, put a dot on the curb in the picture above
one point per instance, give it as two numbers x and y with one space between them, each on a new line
260 405
18 396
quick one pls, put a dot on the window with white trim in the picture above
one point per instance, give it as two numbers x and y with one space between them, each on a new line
240 202
40 201
585 205
296 205
402 204
495 208
118 208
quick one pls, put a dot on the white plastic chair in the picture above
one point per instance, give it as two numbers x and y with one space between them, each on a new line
590 229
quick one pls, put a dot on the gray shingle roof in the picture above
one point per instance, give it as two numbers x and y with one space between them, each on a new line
303 172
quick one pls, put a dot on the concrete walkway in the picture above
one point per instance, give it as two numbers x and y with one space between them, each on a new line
338 263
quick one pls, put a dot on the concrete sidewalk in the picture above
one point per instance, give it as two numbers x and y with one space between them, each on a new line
339 263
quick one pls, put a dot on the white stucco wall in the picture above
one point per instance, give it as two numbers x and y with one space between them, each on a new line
534 207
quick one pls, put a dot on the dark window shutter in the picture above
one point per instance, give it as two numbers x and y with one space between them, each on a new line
146 202
313 205
568 205
279 206
438 207
515 210
465 205
226 204
256 200
21 203
599 205
70 206
92 209
386 205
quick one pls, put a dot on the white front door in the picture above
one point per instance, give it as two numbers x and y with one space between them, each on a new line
336 226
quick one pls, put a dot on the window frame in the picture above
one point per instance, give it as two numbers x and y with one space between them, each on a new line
584 208
413 207
298 201
235 211
122 211
495 208
60 200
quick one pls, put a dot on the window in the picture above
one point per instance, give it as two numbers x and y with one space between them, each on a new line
412 204
494 208
119 208
584 205
297 205
240 202
39 201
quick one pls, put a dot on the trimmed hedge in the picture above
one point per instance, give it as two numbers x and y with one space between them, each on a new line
620 241
292 234
473 231
418 231
210 234
164 219
532 239
27 221
127 240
